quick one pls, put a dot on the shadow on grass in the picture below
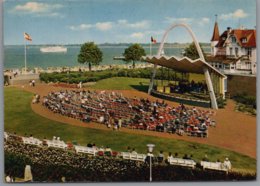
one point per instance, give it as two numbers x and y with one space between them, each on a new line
143 87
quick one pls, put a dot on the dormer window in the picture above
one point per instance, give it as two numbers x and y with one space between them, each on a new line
233 39
244 40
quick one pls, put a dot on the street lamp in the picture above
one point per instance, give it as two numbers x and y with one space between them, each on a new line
150 150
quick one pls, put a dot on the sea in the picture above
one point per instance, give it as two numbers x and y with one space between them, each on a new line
14 56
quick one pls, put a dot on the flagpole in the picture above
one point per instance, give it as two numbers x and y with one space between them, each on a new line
150 48
25 65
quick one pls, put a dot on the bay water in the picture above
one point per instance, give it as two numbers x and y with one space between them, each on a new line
14 56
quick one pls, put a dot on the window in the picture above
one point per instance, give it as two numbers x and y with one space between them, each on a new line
249 52
230 51
244 40
227 66
223 38
225 85
233 39
236 51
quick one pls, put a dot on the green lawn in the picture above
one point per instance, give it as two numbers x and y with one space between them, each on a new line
122 83
20 118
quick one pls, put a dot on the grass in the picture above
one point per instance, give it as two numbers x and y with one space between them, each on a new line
20 118
122 83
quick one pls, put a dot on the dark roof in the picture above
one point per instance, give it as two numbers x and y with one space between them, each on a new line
215 36
222 39
250 36
222 59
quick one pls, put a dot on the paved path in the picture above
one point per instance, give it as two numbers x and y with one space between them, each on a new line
235 131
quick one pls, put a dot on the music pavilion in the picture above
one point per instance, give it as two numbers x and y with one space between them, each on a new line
214 80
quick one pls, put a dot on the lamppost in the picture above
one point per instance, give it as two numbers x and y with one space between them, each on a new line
150 150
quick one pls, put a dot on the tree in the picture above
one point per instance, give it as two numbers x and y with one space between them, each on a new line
134 53
91 54
191 51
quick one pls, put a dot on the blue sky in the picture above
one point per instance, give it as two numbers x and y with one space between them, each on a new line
118 21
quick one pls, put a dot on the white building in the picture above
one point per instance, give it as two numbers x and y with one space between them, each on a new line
234 51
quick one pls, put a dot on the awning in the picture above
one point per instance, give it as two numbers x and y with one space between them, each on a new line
183 64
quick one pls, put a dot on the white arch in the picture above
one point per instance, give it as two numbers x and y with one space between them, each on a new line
189 31
201 56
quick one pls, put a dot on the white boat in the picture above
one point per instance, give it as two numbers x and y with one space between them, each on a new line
53 49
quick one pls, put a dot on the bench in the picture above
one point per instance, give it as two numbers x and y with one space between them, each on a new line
133 156
213 166
86 150
31 141
182 162
56 143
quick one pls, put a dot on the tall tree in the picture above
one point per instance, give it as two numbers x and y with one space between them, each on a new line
191 51
91 54
134 53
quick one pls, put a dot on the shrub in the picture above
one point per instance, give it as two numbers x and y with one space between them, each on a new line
76 77
245 99
221 102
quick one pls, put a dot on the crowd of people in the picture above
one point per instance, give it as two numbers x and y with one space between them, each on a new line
59 165
192 86
116 111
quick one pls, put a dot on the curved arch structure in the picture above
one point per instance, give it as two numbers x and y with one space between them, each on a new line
201 57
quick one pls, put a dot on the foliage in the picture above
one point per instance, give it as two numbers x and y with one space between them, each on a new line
191 51
245 103
91 54
221 102
76 77
245 99
15 164
52 172
134 53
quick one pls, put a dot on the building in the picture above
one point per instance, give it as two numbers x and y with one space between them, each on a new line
234 51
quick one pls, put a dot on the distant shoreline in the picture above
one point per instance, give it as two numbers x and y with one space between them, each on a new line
38 70
111 44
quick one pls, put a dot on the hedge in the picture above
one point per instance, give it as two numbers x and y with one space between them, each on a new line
76 77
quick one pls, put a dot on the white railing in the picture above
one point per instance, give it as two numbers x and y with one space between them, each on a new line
56 143
31 141
182 162
213 166
133 156
87 150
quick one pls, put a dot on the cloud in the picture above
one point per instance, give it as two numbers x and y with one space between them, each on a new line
239 13
178 20
154 32
137 35
81 27
138 25
38 9
104 26
203 21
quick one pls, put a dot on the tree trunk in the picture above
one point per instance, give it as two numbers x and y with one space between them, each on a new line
89 66
133 64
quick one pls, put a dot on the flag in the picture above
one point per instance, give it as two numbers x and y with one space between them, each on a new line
153 40
27 37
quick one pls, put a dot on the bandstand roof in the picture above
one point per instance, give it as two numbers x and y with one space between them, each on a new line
183 64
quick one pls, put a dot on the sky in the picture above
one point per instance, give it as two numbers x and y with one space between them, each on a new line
121 21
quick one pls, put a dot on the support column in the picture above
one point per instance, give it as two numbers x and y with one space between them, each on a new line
152 80
214 104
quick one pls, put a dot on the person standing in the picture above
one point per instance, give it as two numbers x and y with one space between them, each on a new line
33 82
